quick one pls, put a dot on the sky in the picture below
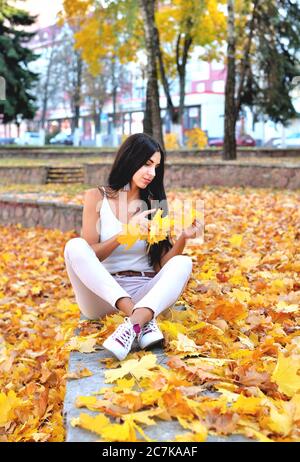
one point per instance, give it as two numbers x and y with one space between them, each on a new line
45 9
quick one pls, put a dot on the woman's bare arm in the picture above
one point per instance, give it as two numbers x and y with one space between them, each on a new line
90 230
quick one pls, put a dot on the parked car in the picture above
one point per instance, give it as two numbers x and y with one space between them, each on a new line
291 141
7 140
62 138
29 139
272 143
245 140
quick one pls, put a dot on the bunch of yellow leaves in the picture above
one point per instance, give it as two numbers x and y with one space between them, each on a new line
159 228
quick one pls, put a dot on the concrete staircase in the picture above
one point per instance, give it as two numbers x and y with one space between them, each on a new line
65 175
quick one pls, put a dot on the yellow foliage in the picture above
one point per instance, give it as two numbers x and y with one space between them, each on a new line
171 141
248 349
285 374
137 368
196 138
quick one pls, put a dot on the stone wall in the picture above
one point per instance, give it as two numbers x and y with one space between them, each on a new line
37 213
52 153
195 175
29 175
182 174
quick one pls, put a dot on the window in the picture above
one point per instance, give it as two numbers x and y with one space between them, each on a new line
200 88
218 86
191 117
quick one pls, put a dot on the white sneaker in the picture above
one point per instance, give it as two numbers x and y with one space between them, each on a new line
150 334
120 341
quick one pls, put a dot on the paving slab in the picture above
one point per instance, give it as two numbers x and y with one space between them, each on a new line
163 431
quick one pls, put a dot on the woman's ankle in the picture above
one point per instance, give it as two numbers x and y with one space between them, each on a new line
141 316
125 304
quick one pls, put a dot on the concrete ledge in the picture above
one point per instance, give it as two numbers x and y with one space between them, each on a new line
163 431
23 175
32 212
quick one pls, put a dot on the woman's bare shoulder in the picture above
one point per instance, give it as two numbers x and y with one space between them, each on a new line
93 197
94 193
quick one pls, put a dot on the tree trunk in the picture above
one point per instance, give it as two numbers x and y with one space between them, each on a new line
77 93
181 69
114 91
97 121
165 83
46 87
245 60
229 148
152 100
148 114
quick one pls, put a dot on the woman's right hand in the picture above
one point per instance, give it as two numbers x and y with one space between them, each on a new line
140 222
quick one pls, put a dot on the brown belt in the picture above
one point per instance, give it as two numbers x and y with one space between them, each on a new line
135 273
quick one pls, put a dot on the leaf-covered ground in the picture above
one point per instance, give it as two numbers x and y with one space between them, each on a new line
239 335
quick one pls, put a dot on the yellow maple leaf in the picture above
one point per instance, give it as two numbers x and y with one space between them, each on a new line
36 290
79 374
184 343
8 403
120 432
130 234
240 295
249 262
295 401
236 240
196 426
172 328
94 424
280 419
247 405
285 374
138 368
82 344
143 417
238 279
283 307
159 227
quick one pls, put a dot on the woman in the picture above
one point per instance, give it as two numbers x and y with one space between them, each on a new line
142 281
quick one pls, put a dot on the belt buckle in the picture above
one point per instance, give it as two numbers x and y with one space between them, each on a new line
143 273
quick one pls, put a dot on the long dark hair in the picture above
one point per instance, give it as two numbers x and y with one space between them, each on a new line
131 156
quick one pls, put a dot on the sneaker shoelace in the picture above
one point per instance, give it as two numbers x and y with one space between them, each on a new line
124 335
151 326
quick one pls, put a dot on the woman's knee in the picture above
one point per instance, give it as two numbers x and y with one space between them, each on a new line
182 262
74 246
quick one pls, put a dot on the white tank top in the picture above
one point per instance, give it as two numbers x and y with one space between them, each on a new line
135 258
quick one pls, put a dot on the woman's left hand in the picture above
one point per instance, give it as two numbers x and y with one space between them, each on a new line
194 230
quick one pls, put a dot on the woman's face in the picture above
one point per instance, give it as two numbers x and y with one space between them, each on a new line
143 177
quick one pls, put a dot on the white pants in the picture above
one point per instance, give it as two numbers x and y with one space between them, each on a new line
97 291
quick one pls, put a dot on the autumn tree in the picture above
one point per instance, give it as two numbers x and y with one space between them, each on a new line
184 26
263 46
105 32
50 86
15 60
152 121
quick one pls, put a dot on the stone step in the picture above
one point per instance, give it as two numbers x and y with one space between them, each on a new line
66 172
69 169
65 175
65 181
